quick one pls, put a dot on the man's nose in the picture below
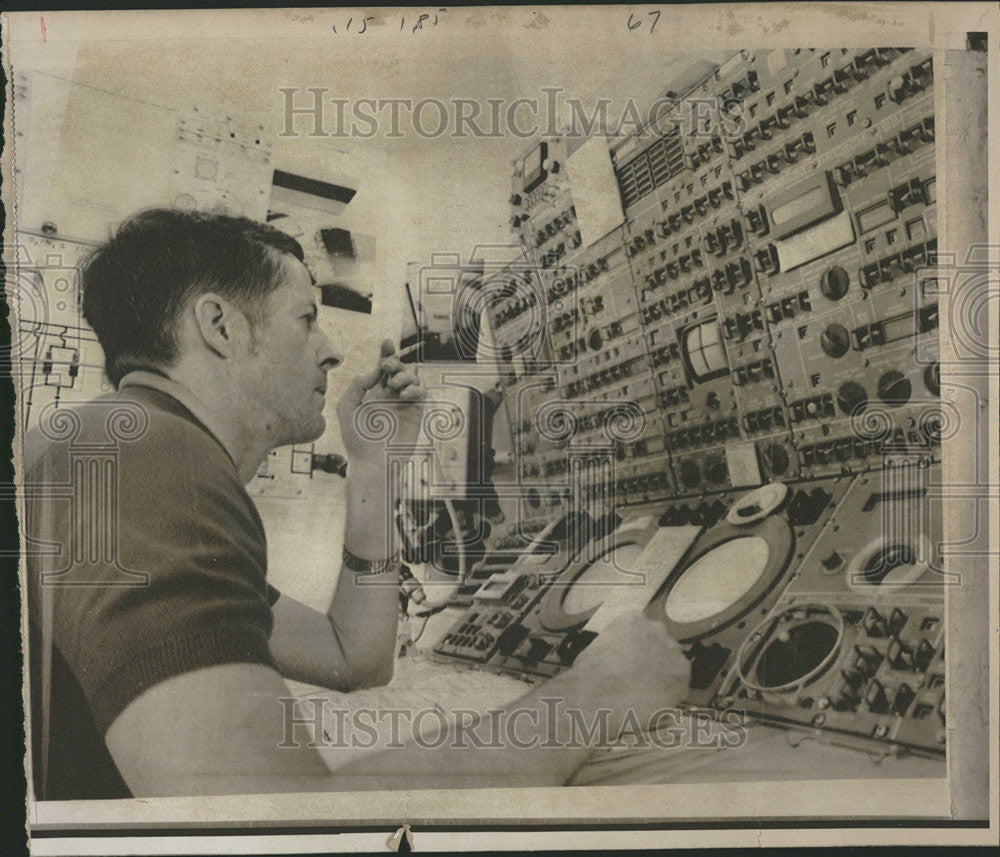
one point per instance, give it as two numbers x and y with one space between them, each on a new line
329 357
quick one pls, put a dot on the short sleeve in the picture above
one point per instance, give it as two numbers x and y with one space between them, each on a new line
273 594
182 583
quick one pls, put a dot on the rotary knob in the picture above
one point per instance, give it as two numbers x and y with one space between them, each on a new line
834 283
897 89
689 473
716 470
851 398
894 388
835 341
832 562
932 379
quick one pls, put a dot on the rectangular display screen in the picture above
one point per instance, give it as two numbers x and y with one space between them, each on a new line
803 205
875 216
706 357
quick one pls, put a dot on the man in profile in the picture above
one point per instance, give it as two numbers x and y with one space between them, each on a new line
157 661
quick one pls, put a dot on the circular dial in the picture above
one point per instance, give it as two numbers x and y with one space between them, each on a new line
835 341
834 282
851 398
716 581
796 652
894 388
605 576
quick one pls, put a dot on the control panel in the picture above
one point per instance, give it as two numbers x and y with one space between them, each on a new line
752 348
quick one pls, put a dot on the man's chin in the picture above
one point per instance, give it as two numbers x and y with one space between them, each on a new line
310 430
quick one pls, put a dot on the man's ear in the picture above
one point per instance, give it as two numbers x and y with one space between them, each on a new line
218 322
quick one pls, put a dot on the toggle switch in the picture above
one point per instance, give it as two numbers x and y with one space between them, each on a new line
846 698
875 696
897 620
537 649
868 659
900 655
901 701
853 678
874 624
923 656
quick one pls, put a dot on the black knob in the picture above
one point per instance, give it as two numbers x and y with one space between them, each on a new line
716 470
852 398
689 473
834 560
834 283
835 341
331 463
932 379
894 388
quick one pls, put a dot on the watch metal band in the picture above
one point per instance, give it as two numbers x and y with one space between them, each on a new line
371 566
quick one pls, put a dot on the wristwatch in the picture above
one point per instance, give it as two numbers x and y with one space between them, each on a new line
371 566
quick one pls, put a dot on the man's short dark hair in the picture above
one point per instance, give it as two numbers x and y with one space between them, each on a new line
136 284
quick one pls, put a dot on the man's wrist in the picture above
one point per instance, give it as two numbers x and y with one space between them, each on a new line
366 567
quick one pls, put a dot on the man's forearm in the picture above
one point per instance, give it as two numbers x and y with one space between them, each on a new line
540 739
369 532
353 645
364 609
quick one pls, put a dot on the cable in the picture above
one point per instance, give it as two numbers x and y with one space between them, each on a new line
459 537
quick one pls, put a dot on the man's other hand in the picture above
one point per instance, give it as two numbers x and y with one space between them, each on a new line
633 665
389 392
